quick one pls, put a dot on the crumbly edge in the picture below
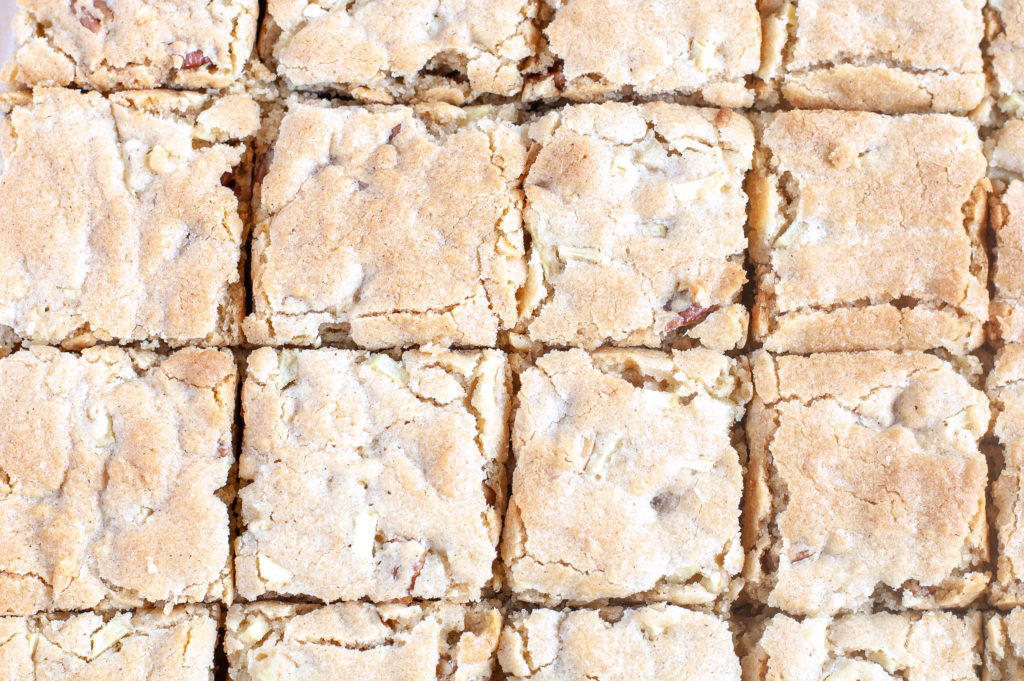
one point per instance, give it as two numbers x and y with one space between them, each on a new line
1007 589
1002 658
1006 315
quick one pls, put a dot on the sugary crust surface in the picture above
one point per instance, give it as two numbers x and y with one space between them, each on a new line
1005 386
113 44
627 481
1006 215
1004 646
1004 25
846 448
655 643
932 646
389 227
866 232
371 478
399 50
145 645
110 465
127 233
362 642
874 55
596 49
636 216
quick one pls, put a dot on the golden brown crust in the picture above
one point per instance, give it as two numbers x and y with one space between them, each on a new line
1005 152
1005 386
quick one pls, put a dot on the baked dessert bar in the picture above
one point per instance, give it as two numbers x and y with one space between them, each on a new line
628 478
636 218
114 44
865 485
1005 151
362 642
1005 385
866 232
931 646
112 467
874 55
388 226
657 642
370 477
1004 26
145 645
126 233
699 51
388 51
1004 646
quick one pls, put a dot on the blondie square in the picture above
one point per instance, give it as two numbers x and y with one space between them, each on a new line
145 645
388 226
1005 385
362 642
595 49
1004 25
909 646
1004 646
636 218
874 55
117 226
370 477
867 233
628 478
866 486
388 51
1006 214
112 467
115 44
655 643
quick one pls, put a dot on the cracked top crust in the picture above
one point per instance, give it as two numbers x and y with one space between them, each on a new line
627 481
846 448
1006 169
655 643
362 642
110 465
145 645
873 55
1005 387
933 646
127 234
1004 25
399 50
595 49
389 227
111 44
866 233
372 478
636 216
1004 646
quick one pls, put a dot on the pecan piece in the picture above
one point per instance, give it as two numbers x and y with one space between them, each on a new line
688 316
394 133
194 59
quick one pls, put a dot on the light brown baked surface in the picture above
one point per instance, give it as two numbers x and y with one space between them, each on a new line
389 227
865 486
365 477
599 49
111 464
1005 151
117 226
636 220
362 642
873 55
106 45
627 480
1005 387
1004 646
866 233
145 645
1004 27
656 643
931 646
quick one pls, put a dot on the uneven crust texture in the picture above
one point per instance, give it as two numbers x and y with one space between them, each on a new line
866 231
371 478
110 44
655 643
636 216
396 50
627 481
1004 646
362 642
873 55
1006 169
1005 386
865 486
933 646
389 227
116 225
1004 24
110 464
595 49
146 645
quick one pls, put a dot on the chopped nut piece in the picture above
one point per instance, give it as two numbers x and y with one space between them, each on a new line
112 632
194 59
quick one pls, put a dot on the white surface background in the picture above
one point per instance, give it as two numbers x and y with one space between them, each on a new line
7 8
